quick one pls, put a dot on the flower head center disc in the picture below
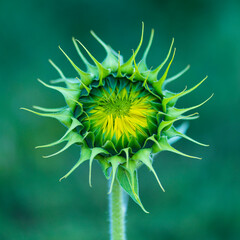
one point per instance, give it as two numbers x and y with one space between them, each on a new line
115 106
120 113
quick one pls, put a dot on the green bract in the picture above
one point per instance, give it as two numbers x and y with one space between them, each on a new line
119 113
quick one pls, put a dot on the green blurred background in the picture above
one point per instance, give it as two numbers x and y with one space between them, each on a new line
202 199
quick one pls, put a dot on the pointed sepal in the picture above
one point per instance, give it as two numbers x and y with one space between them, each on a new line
136 74
127 67
67 93
173 113
144 155
172 132
90 67
129 182
105 165
111 61
154 74
70 83
143 63
102 71
84 156
115 161
166 124
64 115
158 84
163 145
94 153
86 78
71 139
171 100
75 123
173 78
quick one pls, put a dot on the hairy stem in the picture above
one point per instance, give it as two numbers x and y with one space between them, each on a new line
117 207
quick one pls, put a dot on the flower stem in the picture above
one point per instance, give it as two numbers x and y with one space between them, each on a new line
117 207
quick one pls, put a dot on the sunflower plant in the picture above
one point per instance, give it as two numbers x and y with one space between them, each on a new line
120 114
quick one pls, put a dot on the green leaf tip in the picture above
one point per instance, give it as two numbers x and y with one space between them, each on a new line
172 132
91 69
158 84
94 152
175 112
127 67
154 74
144 156
166 124
66 92
57 68
102 72
115 162
163 145
129 182
63 116
171 79
111 61
143 64
85 155
75 123
71 138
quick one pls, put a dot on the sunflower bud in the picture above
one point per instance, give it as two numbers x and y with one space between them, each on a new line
119 113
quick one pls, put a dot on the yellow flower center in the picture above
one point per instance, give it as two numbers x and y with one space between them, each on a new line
120 112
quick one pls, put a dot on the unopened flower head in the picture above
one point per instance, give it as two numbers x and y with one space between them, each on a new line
119 112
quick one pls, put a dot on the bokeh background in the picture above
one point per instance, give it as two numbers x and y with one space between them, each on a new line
202 199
